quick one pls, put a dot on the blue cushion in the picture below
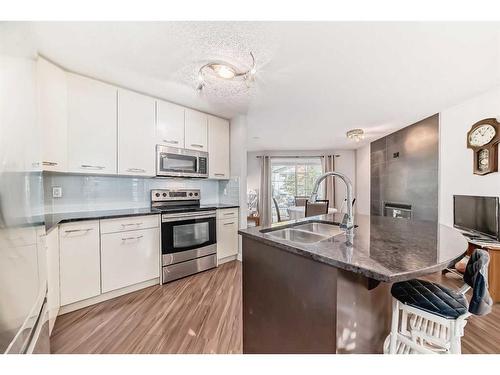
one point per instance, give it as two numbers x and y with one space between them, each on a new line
430 297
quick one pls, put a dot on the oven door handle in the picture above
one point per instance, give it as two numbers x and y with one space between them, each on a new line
168 219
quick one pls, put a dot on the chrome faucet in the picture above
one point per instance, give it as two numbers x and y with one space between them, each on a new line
348 222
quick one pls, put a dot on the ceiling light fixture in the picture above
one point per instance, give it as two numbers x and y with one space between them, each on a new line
227 71
356 134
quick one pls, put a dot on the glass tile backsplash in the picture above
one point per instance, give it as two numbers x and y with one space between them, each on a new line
93 193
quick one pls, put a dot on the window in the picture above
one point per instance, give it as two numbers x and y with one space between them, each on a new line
291 177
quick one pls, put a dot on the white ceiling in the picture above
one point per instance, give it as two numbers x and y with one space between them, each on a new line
315 80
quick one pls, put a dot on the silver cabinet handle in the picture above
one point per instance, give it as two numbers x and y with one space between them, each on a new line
196 145
78 230
136 170
127 225
171 142
92 166
49 163
229 213
231 223
131 238
219 174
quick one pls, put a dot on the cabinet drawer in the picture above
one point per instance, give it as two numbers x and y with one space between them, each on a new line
129 258
80 275
129 223
227 213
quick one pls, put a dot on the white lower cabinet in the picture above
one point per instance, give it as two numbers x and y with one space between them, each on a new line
227 235
129 258
53 294
80 273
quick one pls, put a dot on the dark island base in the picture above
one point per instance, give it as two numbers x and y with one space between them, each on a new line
292 304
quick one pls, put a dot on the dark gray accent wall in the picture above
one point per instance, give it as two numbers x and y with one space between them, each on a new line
404 169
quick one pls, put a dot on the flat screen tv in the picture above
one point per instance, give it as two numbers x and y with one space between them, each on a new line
477 215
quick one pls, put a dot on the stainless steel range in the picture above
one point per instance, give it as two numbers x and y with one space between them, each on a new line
188 233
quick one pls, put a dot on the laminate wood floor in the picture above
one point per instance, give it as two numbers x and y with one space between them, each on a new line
199 314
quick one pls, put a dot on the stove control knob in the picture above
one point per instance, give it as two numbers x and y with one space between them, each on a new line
157 194
196 194
190 194
164 195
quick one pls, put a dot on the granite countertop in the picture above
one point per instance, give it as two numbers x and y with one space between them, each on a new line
384 248
53 220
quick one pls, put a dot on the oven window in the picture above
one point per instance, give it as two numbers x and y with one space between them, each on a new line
189 235
178 163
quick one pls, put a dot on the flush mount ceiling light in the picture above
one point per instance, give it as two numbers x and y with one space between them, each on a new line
356 134
226 71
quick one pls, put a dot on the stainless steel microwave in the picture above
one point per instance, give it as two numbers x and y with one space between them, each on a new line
179 162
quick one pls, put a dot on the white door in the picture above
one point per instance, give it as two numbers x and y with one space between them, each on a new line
218 148
128 258
136 134
80 274
53 115
227 238
91 126
169 124
195 130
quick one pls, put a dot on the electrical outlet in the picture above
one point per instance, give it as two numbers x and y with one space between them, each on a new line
56 192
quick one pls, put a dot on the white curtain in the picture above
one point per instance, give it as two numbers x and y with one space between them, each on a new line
329 166
265 191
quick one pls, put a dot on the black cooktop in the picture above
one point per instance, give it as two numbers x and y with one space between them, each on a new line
191 208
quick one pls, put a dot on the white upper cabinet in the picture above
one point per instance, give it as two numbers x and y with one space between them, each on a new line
169 124
218 148
136 134
91 126
53 115
195 132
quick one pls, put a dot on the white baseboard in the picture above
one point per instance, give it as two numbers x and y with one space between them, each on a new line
105 296
239 257
226 259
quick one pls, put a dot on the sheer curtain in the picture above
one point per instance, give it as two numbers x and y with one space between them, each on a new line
329 166
265 191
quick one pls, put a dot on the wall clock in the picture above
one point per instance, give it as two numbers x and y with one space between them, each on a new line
483 138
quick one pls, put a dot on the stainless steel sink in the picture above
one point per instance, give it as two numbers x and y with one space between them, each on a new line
328 230
307 233
297 235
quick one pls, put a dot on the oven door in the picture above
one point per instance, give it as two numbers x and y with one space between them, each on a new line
187 236
177 162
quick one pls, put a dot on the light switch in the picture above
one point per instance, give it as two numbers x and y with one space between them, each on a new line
56 192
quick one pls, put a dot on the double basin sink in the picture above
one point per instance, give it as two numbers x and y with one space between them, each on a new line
307 233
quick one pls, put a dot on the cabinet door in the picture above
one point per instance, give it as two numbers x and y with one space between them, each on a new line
136 134
128 258
53 115
218 148
227 238
80 274
195 130
169 124
53 296
91 126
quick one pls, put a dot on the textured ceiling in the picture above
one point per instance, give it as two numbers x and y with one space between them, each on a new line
315 80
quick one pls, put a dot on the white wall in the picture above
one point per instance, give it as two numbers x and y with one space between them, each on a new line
238 150
362 205
345 163
456 175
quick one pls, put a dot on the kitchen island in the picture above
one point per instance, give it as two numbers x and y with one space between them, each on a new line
309 291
